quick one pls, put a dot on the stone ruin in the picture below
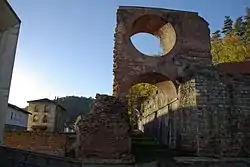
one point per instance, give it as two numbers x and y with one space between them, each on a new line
199 107
104 132
185 38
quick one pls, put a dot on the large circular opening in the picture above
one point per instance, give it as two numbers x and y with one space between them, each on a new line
152 35
147 44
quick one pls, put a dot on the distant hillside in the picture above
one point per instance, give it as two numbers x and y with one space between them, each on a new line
76 105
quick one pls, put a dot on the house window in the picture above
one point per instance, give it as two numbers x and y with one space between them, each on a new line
36 109
11 116
45 119
35 118
46 108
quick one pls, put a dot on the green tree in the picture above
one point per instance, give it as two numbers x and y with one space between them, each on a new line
216 36
228 25
137 95
229 49
247 19
247 34
216 47
234 46
240 27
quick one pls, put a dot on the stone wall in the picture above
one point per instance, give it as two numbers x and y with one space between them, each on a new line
172 120
49 143
157 115
22 158
206 162
211 118
16 157
223 109
186 117
104 132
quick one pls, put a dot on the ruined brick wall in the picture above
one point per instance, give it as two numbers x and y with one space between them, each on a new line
48 143
104 132
186 117
189 33
212 118
212 115
223 108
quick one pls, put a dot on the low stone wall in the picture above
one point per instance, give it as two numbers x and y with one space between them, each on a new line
14 157
206 162
48 143
11 157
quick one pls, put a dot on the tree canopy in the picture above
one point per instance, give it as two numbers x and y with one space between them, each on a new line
232 43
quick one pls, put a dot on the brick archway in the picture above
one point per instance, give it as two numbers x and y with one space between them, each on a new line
142 98
164 85
190 44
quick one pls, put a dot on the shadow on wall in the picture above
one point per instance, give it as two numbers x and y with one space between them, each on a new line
174 128
190 131
218 123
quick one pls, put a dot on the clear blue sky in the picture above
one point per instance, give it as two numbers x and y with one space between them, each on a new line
66 46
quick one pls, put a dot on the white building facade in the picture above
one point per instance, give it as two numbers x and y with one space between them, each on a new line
16 118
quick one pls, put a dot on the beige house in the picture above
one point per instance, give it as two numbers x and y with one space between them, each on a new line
47 115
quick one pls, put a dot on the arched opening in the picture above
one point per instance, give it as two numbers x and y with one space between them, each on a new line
150 94
138 94
152 30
